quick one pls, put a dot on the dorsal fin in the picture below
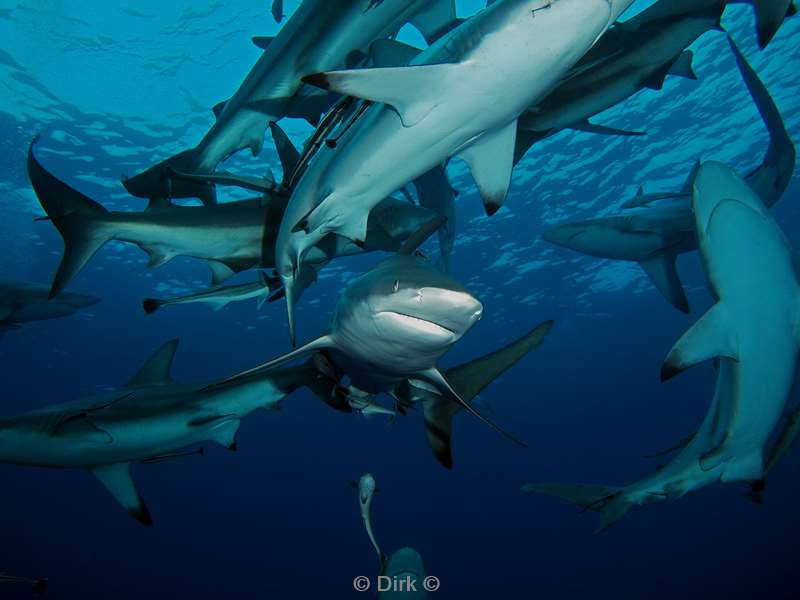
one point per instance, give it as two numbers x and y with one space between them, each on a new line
218 108
156 369
287 153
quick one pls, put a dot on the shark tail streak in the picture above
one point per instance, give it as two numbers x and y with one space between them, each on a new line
157 182
609 501
78 218
468 380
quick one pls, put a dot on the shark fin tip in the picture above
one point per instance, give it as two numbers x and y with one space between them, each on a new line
319 80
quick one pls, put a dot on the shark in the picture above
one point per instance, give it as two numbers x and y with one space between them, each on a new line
232 237
660 227
24 302
436 193
783 444
401 574
150 419
752 332
319 36
263 289
393 323
443 104
633 55
38 586
680 476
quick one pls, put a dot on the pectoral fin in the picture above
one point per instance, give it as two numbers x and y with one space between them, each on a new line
117 479
491 159
661 270
396 86
434 377
708 338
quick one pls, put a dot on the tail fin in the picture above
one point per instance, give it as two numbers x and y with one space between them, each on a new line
287 153
151 305
157 182
77 217
598 498
769 17
468 380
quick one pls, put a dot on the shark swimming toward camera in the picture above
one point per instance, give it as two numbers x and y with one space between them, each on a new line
24 302
319 36
752 332
264 289
443 104
367 489
151 419
661 227
232 237
392 324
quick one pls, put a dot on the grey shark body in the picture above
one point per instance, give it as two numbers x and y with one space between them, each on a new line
319 36
366 492
660 227
631 56
437 107
220 297
150 419
232 237
753 332
23 302
436 193
392 324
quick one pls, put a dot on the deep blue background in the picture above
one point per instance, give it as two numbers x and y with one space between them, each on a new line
278 519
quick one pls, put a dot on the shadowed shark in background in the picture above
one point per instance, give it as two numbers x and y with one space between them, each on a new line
23 302
151 419
436 193
321 35
232 237
38 586
266 288
661 227
402 574
393 323
436 107
753 333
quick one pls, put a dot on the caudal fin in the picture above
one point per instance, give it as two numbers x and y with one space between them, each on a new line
468 380
158 181
78 218
598 498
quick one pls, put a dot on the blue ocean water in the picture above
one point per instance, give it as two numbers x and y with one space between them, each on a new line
113 88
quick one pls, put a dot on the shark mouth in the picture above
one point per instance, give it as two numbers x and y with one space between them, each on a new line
418 324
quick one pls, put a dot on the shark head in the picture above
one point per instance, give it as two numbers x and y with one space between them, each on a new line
715 185
406 304
366 489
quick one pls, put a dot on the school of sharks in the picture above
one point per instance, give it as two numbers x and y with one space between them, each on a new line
387 119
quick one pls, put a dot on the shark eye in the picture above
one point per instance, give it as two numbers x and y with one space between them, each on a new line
396 285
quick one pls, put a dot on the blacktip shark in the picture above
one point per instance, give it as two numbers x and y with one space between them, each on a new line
393 323
151 419
321 35
264 289
444 103
38 586
631 56
752 332
661 226
24 302
682 475
401 575
232 237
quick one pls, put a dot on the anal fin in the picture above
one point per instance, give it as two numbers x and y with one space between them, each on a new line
117 480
